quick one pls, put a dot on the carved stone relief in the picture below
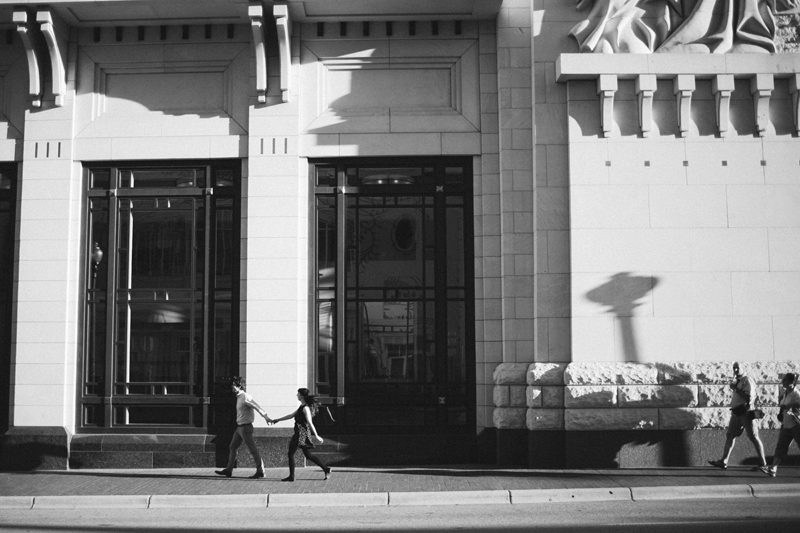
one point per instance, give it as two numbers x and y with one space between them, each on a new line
680 26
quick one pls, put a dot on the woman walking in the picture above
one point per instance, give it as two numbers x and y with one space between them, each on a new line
303 431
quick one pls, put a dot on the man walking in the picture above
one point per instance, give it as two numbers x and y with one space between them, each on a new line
245 407
744 396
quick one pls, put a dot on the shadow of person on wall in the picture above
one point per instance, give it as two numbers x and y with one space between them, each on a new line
622 294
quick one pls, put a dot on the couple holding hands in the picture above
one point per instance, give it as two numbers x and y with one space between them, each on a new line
304 430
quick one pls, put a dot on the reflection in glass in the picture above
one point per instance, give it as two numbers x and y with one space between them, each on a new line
163 242
223 329
388 249
389 176
455 247
160 342
162 178
224 245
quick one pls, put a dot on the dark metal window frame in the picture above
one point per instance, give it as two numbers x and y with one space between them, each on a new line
341 190
212 406
8 201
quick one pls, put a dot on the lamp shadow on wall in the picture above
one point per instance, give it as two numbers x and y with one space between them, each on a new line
622 294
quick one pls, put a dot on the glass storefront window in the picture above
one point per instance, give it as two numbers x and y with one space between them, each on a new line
401 355
162 295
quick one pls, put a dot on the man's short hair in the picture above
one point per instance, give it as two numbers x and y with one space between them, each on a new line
239 382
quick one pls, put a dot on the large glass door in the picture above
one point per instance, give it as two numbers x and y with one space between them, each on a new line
393 262
161 338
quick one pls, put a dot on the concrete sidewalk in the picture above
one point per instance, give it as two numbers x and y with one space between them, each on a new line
200 487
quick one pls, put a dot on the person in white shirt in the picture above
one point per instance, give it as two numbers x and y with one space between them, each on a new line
245 407
789 416
742 402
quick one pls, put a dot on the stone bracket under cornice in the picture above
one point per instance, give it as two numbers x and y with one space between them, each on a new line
683 69
26 31
284 27
56 39
258 18
256 13
56 35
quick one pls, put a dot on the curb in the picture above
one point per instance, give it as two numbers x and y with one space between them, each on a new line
570 495
87 502
16 502
394 499
466 497
329 499
776 491
691 492
171 501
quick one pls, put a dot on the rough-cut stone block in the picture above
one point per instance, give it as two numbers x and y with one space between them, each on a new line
509 417
603 419
770 420
510 374
545 419
714 395
501 395
768 394
590 396
553 397
517 395
770 371
546 373
534 396
610 374
658 396
713 372
675 373
693 418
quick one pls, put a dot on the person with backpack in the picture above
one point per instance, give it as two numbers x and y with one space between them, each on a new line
789 417
304 430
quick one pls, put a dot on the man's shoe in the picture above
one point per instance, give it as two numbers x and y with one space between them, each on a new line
290 478
327 471
768 471
718 464
257 475
224 472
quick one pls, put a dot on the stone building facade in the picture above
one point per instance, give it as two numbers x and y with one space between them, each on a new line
451 220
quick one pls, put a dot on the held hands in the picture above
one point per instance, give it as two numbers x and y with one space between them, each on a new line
319 439
268 419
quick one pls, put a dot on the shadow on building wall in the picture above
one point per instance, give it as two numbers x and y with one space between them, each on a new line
622 294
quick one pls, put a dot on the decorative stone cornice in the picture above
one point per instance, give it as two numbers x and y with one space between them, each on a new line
684 70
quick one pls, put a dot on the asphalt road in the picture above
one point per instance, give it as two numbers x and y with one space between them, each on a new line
750 515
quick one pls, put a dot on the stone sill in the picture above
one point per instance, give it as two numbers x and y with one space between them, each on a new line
628 66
